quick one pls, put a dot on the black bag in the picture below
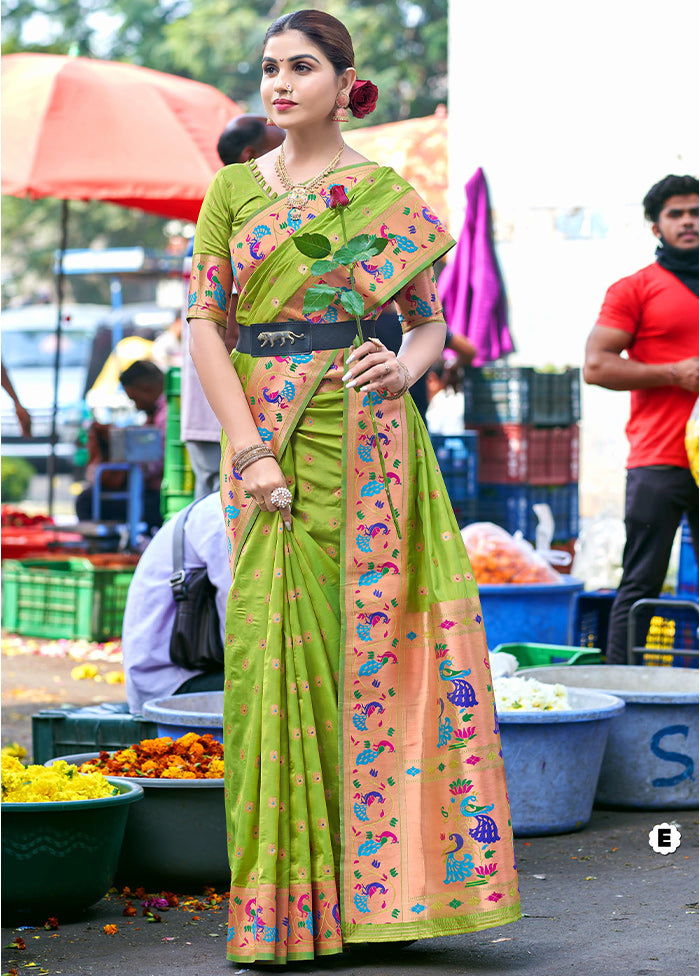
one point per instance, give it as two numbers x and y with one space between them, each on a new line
195 641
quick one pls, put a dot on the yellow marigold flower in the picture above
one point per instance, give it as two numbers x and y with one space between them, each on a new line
14 749
115 678
83 671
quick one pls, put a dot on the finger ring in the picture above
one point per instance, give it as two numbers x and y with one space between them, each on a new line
281 497
387 367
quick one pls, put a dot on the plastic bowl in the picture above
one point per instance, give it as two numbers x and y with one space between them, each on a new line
552 761
176 838
202 713
60 857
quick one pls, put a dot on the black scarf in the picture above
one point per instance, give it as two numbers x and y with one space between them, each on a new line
681 263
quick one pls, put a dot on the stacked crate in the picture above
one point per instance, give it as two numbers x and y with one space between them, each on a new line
457 455
177 489
527 424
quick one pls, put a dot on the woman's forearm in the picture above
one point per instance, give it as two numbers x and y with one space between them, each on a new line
421 347
221 385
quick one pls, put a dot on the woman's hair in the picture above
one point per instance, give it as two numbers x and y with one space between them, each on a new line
669 186
326 32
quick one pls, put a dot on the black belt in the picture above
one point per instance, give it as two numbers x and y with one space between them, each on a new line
298 338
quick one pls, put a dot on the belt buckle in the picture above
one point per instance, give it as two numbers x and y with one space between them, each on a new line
269 339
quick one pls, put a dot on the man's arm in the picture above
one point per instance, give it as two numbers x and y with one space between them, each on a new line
23 418
604 366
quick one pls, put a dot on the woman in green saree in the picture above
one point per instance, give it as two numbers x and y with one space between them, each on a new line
365 793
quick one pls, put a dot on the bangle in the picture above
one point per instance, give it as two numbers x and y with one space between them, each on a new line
404 388
249 455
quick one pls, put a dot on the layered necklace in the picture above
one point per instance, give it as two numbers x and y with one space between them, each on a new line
299 193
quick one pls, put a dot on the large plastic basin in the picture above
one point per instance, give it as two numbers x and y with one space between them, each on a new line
176 838
650 760
541 613
201 713
552 761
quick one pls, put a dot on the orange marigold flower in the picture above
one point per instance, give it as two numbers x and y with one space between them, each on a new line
110 929
51 923
129 911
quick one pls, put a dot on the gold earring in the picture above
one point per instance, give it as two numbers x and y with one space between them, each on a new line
341 103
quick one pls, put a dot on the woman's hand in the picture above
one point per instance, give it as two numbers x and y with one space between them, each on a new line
374 367
260 479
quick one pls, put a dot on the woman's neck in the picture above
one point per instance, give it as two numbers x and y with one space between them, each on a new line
307 152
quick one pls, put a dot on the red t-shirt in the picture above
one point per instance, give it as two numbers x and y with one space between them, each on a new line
662 315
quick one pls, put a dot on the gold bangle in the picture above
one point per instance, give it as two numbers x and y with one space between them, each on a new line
404 389
249 455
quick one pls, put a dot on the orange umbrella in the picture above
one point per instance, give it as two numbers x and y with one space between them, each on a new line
417 150
84 129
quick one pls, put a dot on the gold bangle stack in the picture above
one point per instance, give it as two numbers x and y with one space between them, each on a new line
249 455
404 388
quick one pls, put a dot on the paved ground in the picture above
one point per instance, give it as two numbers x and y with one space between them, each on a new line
597 903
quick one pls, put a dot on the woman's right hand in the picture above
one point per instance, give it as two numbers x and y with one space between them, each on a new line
260 479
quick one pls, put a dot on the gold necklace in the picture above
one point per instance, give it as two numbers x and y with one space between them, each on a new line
299 192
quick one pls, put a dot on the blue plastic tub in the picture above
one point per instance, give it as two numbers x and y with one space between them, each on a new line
202 713
552 761
651 758
540 613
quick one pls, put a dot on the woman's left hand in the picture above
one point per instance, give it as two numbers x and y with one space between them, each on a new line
374 367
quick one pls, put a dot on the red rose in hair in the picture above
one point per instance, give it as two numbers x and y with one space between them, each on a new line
363 98
339 197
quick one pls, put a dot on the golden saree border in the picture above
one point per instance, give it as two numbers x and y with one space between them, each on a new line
311 924
278 390
425 824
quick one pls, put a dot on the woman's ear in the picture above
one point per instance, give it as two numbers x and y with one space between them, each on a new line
347 80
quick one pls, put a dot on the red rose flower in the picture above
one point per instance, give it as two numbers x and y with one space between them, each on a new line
339 197
363 98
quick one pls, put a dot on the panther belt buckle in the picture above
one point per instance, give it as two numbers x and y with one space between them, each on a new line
284 341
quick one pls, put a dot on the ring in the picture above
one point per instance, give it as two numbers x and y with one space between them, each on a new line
387 367
281 497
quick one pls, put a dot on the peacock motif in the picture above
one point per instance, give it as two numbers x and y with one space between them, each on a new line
368 756
445 726
364 630
280 397
231 512
458 869
366 800
485 831
462 694
218 293
371 666
372 845
371 488
432 219
422 306
375 575
365 893
311 918
367 533
360 720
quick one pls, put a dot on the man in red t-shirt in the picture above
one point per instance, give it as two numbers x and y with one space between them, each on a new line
653 317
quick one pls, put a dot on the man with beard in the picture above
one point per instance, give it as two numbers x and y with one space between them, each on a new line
652 316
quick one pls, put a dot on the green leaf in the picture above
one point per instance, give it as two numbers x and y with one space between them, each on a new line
324 267
313 245
352 302
318 298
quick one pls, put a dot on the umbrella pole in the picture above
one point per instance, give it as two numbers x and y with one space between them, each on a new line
51 464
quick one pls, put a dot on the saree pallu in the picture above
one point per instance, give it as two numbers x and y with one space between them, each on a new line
365 792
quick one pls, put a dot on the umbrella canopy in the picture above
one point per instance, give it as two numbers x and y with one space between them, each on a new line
85 129
416 149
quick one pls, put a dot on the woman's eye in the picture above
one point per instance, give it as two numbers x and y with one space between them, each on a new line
268 69
301 67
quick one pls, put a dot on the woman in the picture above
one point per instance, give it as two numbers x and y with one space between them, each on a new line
358 711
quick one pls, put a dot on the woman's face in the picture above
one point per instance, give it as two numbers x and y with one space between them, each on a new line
299 85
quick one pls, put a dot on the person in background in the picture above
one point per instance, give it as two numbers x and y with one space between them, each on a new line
23 418
167 347
246 137
143 384
445 413
150 608
652 317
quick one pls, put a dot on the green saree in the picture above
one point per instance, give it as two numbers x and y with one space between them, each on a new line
365 793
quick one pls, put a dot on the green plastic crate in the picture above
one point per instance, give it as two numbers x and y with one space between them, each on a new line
172 381
67 598
544 655
172 502
67 731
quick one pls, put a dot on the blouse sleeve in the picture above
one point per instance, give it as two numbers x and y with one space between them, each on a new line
418 302
211 281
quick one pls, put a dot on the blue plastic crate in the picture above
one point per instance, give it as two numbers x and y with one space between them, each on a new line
510 506
521 395
458 456
687 566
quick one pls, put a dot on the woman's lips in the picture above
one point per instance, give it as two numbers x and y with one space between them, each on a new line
283 103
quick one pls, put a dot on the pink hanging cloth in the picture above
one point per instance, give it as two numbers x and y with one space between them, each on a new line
471 287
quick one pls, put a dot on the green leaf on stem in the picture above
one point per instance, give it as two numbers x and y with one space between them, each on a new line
352 302
324 267
318 297
313 245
